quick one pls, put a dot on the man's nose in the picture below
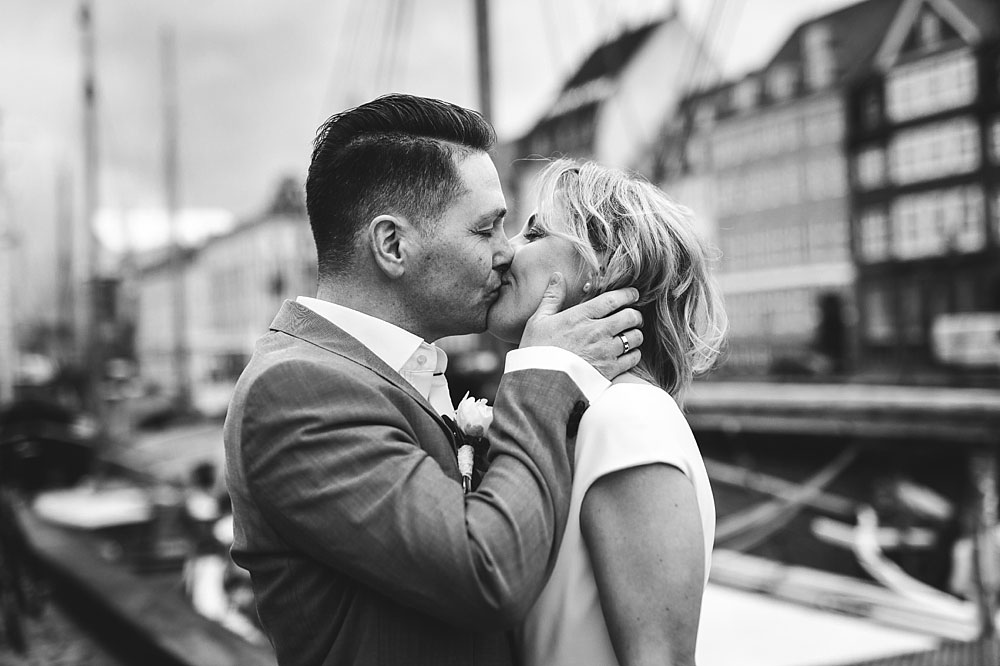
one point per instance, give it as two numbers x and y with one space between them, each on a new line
503 255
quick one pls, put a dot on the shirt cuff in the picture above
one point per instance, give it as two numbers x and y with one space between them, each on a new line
591 382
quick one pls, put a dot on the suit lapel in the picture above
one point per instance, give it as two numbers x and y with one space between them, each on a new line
301 322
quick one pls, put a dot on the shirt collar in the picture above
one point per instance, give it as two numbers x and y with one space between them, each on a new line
395 346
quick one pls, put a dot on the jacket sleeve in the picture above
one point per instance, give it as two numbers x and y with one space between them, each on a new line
338 472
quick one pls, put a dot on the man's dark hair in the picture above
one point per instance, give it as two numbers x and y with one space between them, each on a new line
394 155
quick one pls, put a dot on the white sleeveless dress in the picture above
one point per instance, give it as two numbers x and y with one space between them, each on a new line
628 426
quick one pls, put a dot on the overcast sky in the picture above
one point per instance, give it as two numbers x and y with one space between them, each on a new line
257 77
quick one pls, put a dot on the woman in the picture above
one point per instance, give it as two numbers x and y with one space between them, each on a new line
633 563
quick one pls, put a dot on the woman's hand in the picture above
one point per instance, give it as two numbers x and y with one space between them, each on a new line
592 330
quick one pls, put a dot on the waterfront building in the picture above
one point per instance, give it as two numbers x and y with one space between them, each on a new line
763 159
244 276
611 107
233 284
924 146
152 303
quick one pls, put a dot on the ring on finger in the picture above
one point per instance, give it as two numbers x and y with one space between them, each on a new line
625 345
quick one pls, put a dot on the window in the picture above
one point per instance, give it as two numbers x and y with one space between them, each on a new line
938 222
819 62
825 177
995 140
764 188
966 230
934 150
930 30
826 126
745 94
781 82
931 85
869 168
873 235
784 133
698 153
827 236
877 314
704 114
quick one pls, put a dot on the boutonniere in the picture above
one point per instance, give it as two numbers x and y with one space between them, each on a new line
473 418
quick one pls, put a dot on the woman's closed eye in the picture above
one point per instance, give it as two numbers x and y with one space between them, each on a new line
532 230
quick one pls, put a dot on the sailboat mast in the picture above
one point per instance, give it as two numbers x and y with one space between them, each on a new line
85 311
485 74
8 346
168 57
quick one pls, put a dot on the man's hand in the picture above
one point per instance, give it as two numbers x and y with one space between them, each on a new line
602 331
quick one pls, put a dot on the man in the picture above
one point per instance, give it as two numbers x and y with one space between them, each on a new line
349 513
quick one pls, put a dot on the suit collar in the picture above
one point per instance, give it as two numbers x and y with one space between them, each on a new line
299 321
394 345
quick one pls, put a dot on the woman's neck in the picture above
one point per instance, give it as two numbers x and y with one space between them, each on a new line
632 377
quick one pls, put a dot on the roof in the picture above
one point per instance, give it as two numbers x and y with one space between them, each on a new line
593 81
610 58
856 32
985 14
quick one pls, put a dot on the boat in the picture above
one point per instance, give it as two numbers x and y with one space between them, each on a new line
122 551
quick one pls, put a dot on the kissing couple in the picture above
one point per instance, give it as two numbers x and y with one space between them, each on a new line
589 536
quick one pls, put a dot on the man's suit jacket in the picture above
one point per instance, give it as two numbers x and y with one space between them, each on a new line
350 516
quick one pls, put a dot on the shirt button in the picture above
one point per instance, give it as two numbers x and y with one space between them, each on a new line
421 359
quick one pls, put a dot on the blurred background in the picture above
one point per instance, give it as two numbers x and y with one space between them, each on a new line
843 156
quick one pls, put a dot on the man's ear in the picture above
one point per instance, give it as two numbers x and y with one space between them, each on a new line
392 240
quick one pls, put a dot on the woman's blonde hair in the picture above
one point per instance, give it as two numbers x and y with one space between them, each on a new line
631 233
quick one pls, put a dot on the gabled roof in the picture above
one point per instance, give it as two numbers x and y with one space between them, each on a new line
984 13
971 21
593 81
856 32
608 59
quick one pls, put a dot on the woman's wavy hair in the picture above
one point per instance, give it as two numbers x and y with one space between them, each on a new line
630 233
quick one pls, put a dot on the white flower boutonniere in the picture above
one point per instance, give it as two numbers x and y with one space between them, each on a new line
473 417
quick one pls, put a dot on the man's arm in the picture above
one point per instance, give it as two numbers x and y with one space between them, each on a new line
339 474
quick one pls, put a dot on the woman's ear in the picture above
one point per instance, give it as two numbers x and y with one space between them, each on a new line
391 240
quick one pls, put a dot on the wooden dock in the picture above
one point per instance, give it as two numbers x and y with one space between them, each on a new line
143 620
955 415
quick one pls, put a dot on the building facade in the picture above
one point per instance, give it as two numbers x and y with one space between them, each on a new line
770 149
611 107
924 145
233 286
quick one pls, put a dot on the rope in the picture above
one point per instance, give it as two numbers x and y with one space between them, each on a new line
745 529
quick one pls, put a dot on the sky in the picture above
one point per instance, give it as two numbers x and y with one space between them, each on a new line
256 77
